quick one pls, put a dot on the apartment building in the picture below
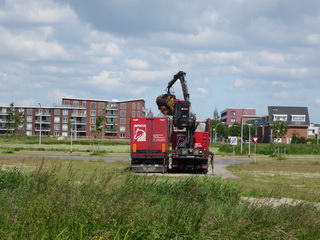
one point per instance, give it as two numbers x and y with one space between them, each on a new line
80 117
240 115
296 117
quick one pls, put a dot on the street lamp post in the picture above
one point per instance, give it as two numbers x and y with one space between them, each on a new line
71 121
40 114
249 125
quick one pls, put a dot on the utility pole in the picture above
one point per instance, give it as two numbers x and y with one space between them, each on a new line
40 114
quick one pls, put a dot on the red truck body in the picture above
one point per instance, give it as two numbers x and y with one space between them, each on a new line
149 143
150 146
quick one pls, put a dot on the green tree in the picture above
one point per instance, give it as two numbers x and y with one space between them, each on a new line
15 120
279 129
218 128
100 123
235 130
253 129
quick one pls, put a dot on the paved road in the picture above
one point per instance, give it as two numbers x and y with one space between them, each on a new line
219 164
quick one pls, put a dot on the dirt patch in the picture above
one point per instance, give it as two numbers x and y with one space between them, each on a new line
277 202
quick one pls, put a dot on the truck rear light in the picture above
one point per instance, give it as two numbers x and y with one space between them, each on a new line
203 166
164 148
175 165
134 147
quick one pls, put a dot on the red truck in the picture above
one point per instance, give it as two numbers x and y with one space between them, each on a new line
189 137
151 151
149 144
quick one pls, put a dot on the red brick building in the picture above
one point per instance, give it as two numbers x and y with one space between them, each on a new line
296 117
240 115
79 117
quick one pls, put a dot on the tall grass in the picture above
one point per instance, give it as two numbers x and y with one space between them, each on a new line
269 148
126 206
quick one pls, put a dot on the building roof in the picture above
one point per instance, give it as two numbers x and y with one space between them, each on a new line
101 100
290 112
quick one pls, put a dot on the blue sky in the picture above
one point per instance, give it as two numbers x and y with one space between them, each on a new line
236 53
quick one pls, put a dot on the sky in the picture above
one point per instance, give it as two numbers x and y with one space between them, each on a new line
236 53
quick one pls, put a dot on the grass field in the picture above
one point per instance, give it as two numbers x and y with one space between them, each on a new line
58 199
280 179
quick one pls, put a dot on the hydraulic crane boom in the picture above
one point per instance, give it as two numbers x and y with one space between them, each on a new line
180 75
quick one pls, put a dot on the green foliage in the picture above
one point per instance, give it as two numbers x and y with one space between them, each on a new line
279 129
14 121
235 130
10 178
127 206
270 148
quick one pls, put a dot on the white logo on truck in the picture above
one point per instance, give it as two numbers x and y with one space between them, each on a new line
140 133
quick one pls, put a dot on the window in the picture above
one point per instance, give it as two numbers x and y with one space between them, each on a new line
21 110
56 111
75 104
92 105
56 134
84 104
233 113
298 118
112 112
92 112
139 106
64 134
133 106
101 105
29 118
123 106
29 111
280 117
65 127
65 119
84 113
122 113
133 113
56 126
93 120
138 113
100 113
4 111
67 103
28 133
122 129
233 120
65 112
74 112
92 128
56 119
29 126
122 121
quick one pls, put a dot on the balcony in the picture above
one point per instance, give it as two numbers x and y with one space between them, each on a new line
42 129
78 114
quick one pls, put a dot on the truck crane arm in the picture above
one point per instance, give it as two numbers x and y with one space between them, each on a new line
180 75
165 102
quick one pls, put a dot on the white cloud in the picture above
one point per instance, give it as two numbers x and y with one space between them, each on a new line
105 49
136 63
35 11
280 84
30 46
203 91
314 39
281 94
55 96
109 81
